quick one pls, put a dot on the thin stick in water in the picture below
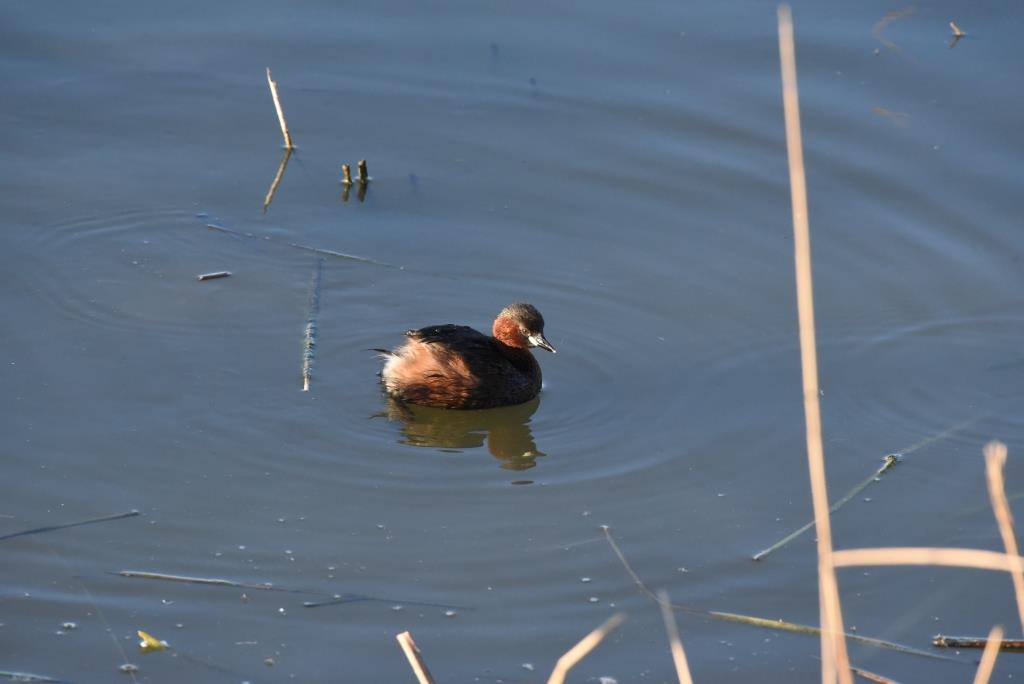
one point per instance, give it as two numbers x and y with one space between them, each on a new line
29 677
581 649
363 175
988 657
51 528
412 654
871 676
309 339
213 276
889 462
763 623
307 248
346 174
995 459
277 179
675 643
280 112
959 642
834 659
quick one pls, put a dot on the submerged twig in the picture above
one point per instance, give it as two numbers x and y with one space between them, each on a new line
280 112
766 623
307 248
581 649
51 528
277 179
889 18
412 654
834 659
309 338
889 461
943 641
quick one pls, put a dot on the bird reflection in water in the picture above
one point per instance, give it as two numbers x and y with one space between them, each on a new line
506 430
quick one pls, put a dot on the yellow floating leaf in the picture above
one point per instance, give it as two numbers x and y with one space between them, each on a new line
150 643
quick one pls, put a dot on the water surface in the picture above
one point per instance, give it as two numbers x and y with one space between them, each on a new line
620 166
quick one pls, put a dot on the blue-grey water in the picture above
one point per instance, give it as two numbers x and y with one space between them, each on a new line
622 167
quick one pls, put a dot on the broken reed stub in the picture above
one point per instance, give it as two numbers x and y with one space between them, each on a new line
364 176
346 174
213 276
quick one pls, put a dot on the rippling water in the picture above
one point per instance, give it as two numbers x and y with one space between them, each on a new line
622 168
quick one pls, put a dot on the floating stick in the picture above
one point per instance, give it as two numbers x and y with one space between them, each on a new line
346 174
213 276
340 599
676 645
995 459
364 176
212 581
871 676
277 179
834 659
942 641
51 528
307 248
957 33
765 623
280 112
889 462
29 677
309 341
412 653
330 599
585 646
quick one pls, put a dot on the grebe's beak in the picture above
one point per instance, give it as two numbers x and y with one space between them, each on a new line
537 340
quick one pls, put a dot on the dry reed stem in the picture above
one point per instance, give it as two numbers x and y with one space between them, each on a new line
678 653
412 653
995 459
280 112
926 555
585 646
835 661
988 657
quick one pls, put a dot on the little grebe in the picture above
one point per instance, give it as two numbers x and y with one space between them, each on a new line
454 366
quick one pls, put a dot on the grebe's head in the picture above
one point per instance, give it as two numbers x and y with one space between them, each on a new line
521 325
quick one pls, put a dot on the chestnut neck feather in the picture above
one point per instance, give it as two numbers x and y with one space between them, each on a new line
506 330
